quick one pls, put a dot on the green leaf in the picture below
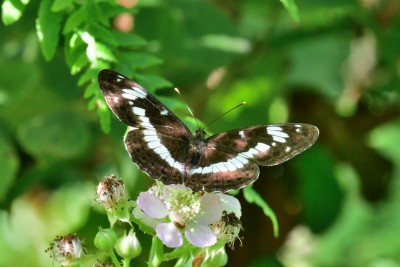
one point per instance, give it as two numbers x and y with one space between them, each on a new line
75 19
54 136
9 164
141 60
60 5
103 34
90 90
12 10
110 10
88 76
80 62
103 112
72 53
103 52
290 5
252 196
156 252
48 26
152 82
128 39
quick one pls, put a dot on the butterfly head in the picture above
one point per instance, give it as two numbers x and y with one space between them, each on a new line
199 135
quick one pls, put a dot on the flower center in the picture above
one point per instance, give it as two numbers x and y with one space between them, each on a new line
183 205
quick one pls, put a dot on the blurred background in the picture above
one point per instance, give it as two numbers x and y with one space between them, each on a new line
337 67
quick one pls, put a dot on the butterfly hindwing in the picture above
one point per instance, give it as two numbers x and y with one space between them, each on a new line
230 159
267 145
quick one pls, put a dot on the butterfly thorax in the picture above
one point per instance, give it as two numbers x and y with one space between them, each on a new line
197 147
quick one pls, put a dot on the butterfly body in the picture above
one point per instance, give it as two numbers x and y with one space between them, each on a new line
163 147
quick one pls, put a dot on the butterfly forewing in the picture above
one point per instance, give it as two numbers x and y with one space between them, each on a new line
154 128
163 147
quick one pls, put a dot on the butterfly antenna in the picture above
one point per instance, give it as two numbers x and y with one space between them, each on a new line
223 114
187 106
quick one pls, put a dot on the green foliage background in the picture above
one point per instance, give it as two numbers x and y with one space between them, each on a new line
334 64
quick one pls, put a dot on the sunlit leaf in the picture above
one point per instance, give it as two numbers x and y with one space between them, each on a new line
48 26
60 5
383 139
75 19
152 82
80 62
12 10
103 34
141 60
129 39
87 76
290 5
103 52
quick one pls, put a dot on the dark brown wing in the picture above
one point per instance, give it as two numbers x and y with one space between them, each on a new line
157 140
230 159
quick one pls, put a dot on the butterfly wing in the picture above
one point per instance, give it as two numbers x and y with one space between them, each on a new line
157 140
230 159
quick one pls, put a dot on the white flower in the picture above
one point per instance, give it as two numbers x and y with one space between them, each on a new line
187 212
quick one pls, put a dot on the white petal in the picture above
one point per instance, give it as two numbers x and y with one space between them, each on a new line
140 215
169 235
230 204
211 209
200 235
152 205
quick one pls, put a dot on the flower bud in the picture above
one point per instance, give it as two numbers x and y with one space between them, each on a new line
67 250
128 246
228 228
216 258
111 192
105 239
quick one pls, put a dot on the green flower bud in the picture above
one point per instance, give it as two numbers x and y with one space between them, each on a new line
216 257
128 246
105 239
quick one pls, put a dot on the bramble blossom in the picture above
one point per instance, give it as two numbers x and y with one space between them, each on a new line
176 209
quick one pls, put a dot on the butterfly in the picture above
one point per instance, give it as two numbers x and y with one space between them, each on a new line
163 146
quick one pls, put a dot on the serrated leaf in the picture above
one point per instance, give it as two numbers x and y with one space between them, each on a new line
152 82
102 33
252 196
90 90
128 39
87 76
75 19
48 26
291 6
59 5
12 10
81 62
141 60
72 53
103 52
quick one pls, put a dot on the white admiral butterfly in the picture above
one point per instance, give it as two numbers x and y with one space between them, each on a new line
163 147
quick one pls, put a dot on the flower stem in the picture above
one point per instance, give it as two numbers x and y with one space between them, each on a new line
114 259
